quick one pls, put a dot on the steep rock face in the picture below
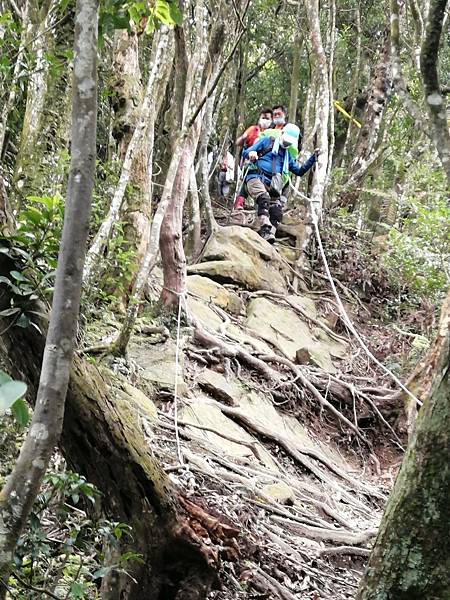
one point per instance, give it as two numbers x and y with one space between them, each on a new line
237 254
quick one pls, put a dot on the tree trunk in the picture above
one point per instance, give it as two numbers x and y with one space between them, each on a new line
22 486
103 439
14 83
354 88
400 87
147 107
171 240
433 96
370 134
295 77
126 89
193 239
322 107
371 127
331 53
31 149
411 556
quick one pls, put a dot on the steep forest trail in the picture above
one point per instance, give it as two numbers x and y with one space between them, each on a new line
275 429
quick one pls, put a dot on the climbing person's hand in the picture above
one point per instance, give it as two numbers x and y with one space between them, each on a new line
317 152
253 156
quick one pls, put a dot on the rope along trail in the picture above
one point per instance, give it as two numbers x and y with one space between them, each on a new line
341 307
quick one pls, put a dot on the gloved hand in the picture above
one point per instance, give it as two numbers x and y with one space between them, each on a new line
253 156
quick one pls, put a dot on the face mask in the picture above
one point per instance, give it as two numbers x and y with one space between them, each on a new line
285 143
279 120
264 123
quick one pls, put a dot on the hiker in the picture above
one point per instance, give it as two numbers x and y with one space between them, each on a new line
248 138
267 177
250 135
279 116
225 175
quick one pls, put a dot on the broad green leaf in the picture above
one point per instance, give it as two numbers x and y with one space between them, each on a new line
10 392
20 411
162 12
33 214
18 276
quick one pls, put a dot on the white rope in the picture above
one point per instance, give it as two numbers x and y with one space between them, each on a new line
341 307
181 296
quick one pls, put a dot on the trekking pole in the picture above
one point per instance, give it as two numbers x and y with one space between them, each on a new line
240 180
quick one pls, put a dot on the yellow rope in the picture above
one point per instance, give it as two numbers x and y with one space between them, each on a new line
342 110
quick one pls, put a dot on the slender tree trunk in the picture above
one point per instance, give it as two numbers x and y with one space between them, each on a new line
126 89
331 53
171 240
433 96
31 149
420 120
295 76
93 257
151 255
322 107
354 87
371 127
371 132
22 486
411 556
211 223
193 239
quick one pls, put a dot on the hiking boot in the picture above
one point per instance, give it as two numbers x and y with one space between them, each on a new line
267 232
239 203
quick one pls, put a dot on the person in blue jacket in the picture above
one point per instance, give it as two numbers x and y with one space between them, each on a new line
271 161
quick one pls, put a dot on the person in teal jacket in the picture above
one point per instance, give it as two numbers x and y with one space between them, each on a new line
271 162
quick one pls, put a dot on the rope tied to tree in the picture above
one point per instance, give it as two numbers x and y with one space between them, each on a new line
181 297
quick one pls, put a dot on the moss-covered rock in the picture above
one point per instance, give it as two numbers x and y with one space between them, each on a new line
238 254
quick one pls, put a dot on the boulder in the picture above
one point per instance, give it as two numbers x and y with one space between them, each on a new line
238 254
211 291
157 362
284 329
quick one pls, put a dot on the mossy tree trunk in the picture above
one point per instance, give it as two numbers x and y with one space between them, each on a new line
102 438
22 486
433 95
411 556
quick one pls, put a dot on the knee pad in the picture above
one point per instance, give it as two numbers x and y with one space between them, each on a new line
263 202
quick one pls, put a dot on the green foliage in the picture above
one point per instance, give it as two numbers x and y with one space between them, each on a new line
39 226
419 253
11 394
62 548
116 14
35 248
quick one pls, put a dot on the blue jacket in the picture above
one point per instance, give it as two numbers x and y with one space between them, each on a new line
264 163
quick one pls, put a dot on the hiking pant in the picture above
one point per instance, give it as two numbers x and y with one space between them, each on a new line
223 185
266 205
